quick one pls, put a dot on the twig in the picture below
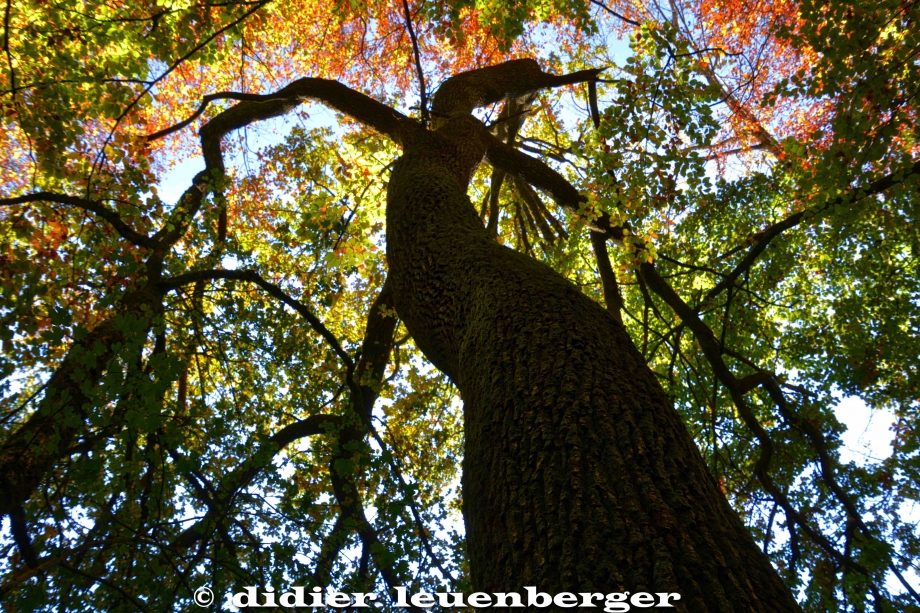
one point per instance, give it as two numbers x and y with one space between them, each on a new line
24 404
615 14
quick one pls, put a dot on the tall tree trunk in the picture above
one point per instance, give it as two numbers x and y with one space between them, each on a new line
578 474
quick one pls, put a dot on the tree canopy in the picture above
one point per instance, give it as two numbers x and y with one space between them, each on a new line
215 389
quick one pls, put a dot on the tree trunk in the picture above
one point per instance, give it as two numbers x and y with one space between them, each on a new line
579 475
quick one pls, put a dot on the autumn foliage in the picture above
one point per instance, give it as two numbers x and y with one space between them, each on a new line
750 174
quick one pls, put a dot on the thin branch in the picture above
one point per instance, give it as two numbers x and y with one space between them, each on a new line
92 206
615 14
167 72
705 269
819 444
24 404
272 290
139 606
240 477
416 516
44 84
712 352
548 180
762 239
759 132
423 96
205 101
545 221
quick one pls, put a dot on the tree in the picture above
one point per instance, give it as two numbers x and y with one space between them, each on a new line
179 414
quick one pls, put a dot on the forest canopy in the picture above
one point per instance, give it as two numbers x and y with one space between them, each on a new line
206 379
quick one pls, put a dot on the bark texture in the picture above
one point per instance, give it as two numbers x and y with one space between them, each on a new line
579 475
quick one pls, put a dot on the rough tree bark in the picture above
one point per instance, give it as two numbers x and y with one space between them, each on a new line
578 474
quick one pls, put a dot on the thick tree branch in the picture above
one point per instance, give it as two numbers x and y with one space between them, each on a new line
6 46
535 172
253 108
546 179
458 95
376 348
755 127
612 296
333 94
378 342
31 451
205 102
368 373
332 546
462 93
20 532
92 206
188 206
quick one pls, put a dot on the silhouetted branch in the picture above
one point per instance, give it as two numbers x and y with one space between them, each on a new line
6 46
762 239
612 296
615 14
167 72
335 95
712 350
271 289
240 477
92 206
423 96
20 532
